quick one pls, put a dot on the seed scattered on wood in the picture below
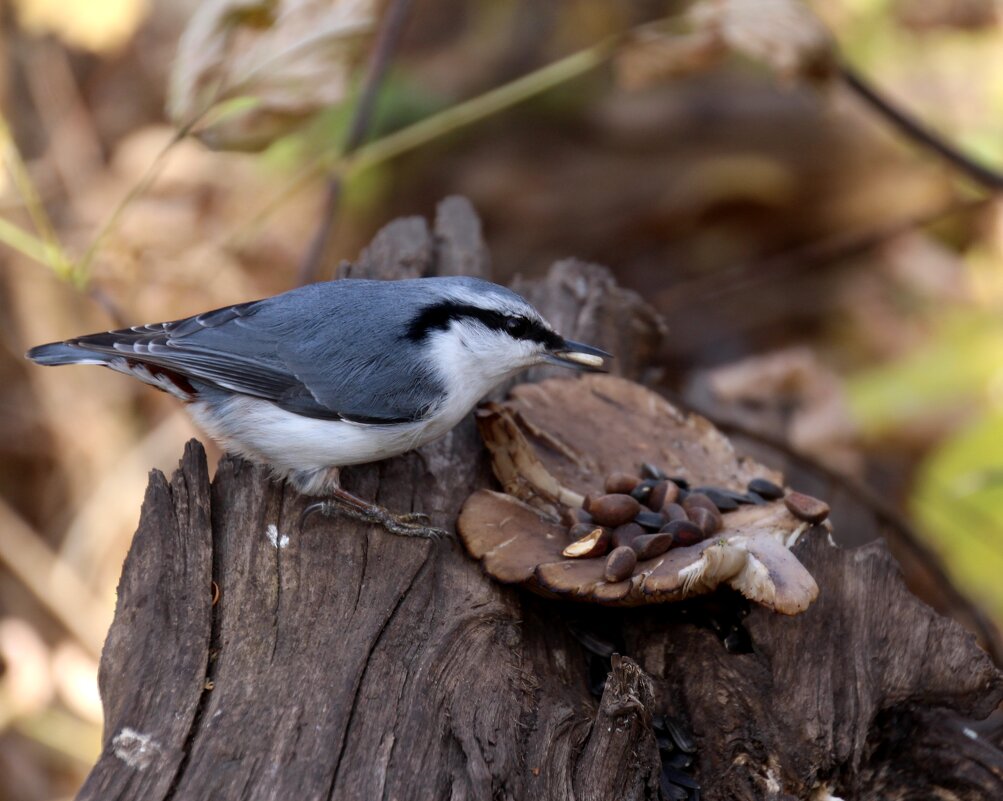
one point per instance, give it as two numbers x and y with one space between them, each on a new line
573 515
684 532
679 481
652 471
737 641
707 521
756 498
673 511
595 543
642 491
722 499
620 564
679 778
612 510
650 520
626 534
679 736
805 507
662 493
669 791
766 489
581 530
715 493
698 499
649 546
591 641
621 483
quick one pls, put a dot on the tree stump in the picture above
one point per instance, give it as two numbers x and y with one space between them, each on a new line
341 662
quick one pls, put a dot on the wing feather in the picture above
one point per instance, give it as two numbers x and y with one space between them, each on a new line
283 353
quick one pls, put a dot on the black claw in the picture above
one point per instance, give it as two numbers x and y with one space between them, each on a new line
313 508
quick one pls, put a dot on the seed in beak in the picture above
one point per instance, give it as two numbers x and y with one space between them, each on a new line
584 359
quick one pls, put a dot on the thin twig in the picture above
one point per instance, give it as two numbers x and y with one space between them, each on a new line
82 267
887 515
387 39
55 257
741 277
431 128
918 132
25 243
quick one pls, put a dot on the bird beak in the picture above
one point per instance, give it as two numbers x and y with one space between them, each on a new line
575 354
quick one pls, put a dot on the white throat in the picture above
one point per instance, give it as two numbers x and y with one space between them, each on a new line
469 372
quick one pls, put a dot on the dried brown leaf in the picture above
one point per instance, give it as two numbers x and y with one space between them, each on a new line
251 70
651 56
783 34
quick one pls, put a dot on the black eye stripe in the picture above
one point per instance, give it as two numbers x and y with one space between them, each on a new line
439 316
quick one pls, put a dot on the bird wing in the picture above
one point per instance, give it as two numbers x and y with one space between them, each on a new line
259 349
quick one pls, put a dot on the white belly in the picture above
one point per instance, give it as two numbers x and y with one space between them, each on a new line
261 431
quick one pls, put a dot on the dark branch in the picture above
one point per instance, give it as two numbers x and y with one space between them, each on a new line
387 39
918 132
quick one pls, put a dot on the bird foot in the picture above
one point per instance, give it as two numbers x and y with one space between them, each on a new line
414 524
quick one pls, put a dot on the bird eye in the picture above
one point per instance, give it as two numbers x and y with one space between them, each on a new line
517 327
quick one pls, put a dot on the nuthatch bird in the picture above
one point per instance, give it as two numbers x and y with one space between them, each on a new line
337 373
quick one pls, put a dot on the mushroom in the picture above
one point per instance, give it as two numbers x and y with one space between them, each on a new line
553 444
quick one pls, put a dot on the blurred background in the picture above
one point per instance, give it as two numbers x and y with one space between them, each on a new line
830 271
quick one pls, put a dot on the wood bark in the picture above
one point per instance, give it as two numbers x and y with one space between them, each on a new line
340 662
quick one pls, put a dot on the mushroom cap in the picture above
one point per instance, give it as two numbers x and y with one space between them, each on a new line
554 442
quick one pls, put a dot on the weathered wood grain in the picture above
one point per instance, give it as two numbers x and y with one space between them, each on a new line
341 662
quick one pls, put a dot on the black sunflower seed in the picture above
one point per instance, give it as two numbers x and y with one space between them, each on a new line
737 497
652 471
766 489
679 736
672 792
666 745
737 641
722 500
650 520
642 491
678 777
592 642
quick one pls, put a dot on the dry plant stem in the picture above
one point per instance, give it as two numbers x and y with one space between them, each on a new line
987 632
918 132
387 39
139 188
24 243
435 126
53 251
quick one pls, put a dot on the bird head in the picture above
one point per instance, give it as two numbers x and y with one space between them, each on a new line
483 332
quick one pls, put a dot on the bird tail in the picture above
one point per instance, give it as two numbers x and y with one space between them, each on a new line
55 353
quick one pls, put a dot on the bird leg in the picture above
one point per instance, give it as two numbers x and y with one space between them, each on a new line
346 504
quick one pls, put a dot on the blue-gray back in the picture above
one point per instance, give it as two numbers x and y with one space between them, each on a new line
331 350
